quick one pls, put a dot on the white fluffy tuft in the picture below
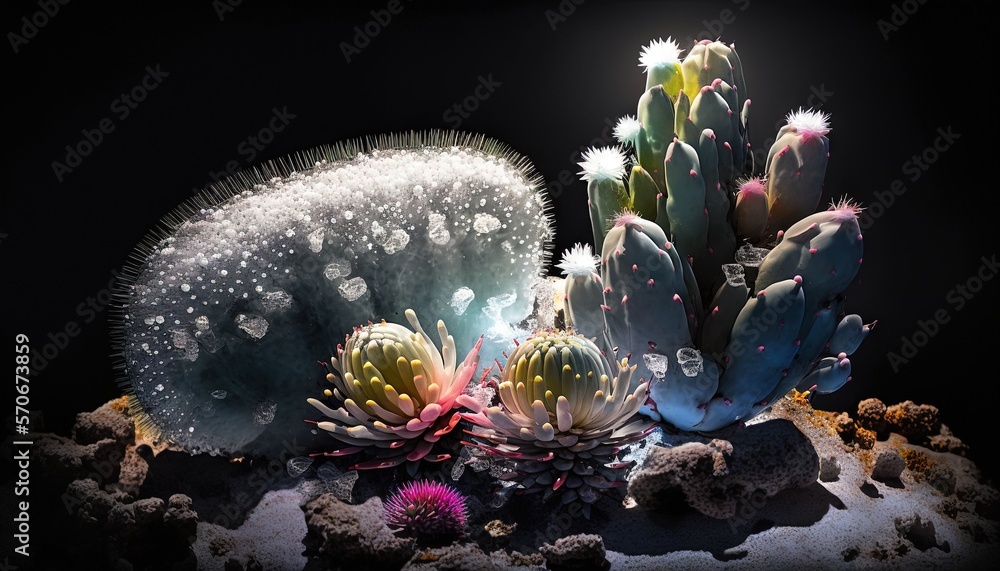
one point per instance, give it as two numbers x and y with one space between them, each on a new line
627 130
579 261
605 163
659 53
809 122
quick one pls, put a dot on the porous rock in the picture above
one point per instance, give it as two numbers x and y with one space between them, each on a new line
916 422
347 535
582 551
888 465
719 477
110 420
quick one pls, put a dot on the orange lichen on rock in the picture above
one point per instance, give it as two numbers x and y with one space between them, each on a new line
915 422
871 414
918 463
864 438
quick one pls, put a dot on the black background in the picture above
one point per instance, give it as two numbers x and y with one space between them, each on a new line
561 81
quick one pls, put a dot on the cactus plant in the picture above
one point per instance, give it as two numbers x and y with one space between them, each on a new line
397 393
717 330
563 416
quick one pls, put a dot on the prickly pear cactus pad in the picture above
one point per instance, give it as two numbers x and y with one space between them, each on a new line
230 307
716 276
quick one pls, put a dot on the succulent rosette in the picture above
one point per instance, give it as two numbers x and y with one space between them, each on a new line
398 393
563 417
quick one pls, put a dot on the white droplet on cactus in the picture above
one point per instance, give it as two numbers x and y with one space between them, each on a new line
735 274
485 223
437 228
219 394
397 240
750 256
501 301
545 302
353 288
379 233
184 343
461 299
276 300
264 413
337 268
253 325
298 465
691 361
316 239
657 364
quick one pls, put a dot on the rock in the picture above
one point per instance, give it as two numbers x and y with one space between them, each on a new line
583 551
89 503
498 529
920 533
351 536
871 415
915 422
133 470
947 443
829 469
180 517
719 477
149 510
110 420
942 478
864 438
64 460
666 472
889 464
845 426
133 533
